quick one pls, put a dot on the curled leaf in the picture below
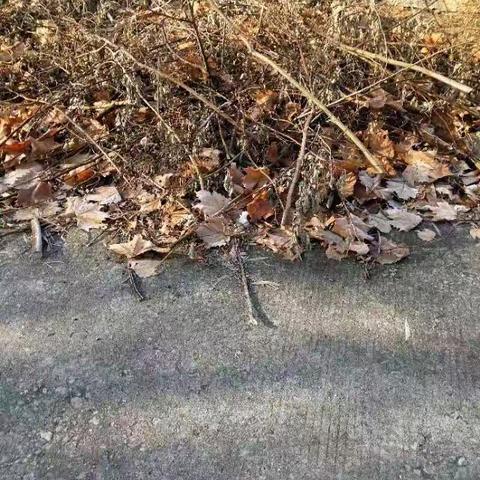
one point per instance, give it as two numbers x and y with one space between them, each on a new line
135 247
146 267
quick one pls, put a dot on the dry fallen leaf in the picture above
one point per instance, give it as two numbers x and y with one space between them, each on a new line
213 232
136 247
146 267
151 205
164 180
255 177
335 253
16 148
211 203
24 176
44 146
445 211
88 214
401 189
46 210
380 222
234 180
79 175
104 196
391 252
475 233
280 241
371 184
423 168
266 98
92 218
39 193
379 142
346 184
360 248
351 227
379 98
403 220
426 235
260 207
206 161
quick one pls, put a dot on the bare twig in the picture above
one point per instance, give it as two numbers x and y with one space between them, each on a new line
37 244
198 38
13 231
133 283
260 57
298 169
246 289
197 171
409 66
363 90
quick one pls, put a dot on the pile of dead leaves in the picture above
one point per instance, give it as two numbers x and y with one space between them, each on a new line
158 170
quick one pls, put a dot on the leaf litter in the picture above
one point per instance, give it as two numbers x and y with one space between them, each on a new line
178 170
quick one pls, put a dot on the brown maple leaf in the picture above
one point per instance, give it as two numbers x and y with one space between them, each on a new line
211 203
260 207
213 232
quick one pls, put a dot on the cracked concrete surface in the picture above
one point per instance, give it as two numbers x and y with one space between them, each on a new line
97 385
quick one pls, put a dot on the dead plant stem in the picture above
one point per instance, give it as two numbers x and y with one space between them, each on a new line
298 169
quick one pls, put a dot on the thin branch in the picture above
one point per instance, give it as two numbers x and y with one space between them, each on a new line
371 159
132 278
384 79
198 38
13 231
298 169
409 66
246 289
37 244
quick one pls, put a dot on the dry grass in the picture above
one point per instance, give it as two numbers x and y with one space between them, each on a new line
172 78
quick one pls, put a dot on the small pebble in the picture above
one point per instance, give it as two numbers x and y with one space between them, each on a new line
47 436
462 462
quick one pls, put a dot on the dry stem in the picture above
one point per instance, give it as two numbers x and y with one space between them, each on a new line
298 169
37 246
246 290
409 66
